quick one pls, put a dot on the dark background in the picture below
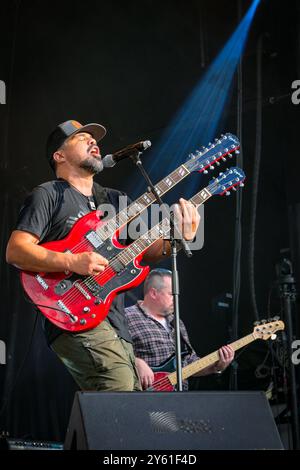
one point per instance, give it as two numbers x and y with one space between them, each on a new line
130 65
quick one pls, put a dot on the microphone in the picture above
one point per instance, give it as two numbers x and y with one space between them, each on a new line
111 159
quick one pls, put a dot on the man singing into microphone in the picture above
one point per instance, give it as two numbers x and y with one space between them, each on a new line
101 358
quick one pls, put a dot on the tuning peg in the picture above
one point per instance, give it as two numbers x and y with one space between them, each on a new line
218 163
220 174
233 188
237 152
256 323
275 318
242 185
205 172
263 321
211 167
273 336
224 159
230 155
227 193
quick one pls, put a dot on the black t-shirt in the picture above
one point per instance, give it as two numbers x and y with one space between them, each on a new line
49 212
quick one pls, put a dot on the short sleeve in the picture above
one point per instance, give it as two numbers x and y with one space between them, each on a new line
36 213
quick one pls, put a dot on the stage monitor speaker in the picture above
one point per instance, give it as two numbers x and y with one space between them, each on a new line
171 420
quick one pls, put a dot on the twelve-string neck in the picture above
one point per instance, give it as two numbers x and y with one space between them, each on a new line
145 200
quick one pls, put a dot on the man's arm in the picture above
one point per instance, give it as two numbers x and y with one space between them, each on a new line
24 252
226 355
145 373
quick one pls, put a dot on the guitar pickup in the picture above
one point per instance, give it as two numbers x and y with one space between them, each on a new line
117 266
94 288
94 239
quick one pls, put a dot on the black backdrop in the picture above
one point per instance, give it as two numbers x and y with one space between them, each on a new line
130 65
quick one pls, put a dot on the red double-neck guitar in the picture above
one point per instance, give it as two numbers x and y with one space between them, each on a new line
77 303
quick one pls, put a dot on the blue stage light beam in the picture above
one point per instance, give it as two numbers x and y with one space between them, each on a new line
198 120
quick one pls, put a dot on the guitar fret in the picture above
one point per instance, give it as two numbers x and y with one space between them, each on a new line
138 246
158 191
147 197
200 197
122 217
160 230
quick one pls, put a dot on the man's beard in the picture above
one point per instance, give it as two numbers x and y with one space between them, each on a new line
92 164
166 312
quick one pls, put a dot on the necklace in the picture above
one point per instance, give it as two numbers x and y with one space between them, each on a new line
91 202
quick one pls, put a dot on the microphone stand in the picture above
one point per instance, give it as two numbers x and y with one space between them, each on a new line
175 278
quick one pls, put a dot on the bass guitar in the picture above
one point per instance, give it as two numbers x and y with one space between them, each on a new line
164 381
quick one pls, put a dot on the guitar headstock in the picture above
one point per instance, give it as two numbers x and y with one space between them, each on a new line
266 329
205 159
228 180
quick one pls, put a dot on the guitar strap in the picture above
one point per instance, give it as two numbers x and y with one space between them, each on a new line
185 347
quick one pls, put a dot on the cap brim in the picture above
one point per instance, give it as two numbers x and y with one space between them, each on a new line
96 130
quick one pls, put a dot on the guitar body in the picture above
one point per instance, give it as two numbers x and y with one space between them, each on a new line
161 381
77 303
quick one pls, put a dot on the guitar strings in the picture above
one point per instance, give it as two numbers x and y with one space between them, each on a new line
106 274
116 218
84 243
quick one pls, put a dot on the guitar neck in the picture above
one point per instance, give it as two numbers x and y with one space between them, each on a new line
144 201
198 161
208 360
160 230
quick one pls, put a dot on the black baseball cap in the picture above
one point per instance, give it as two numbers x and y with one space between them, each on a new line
65 130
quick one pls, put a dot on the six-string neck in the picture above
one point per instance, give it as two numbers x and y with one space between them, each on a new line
160 230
